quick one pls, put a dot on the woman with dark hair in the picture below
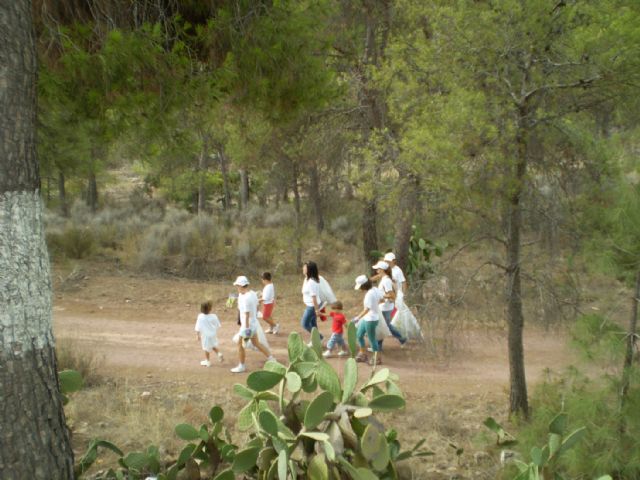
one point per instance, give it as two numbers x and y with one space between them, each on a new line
368 320
310 296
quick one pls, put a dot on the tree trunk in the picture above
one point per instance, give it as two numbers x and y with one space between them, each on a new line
202 196
62 195
34 438
518 400
244 188
631 343
370 230
92 192
316 198
408 207
225 178
296 204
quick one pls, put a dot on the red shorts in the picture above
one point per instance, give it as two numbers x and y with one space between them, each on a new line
267 310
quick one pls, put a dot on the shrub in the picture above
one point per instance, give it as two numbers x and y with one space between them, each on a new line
72 242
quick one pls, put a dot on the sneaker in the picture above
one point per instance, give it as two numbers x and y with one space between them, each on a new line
239 369
268 330
326 353
275 329
205 363
343 353
220 357
270 358
370 350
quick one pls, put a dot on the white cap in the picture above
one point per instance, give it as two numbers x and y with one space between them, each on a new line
381 265
389 257
241 281
361 280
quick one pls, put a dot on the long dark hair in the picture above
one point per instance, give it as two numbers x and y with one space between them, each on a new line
312 271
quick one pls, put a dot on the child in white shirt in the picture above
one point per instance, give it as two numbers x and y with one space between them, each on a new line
268 301
207 325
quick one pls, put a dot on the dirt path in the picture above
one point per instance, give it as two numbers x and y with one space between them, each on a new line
168 351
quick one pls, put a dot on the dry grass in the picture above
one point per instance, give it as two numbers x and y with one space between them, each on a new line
71 356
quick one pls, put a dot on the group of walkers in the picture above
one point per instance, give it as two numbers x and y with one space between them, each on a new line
383 314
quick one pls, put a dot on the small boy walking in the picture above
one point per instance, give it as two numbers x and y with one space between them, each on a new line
207 325
268 301
338 321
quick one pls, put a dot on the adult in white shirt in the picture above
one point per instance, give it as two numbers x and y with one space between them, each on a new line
396 273
310 296
368 319
386 286
248 308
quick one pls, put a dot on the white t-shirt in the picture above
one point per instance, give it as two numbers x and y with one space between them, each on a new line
310 289
248 302
386 286
268 294
207 325
398 278
372 302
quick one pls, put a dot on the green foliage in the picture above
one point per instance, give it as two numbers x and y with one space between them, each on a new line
70 381
421 253
604 447
333 435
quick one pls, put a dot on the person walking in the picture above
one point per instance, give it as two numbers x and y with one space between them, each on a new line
310 297
385 284
248 308
367 320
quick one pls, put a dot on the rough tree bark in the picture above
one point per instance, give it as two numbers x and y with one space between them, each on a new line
518 400
34 438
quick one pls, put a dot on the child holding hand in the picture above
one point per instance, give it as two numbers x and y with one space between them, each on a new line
338 321
207 325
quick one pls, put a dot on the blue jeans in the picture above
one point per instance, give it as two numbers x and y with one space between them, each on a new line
336 339
394 331
309 319
368 329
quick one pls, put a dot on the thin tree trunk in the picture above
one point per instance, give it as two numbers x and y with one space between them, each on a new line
225 178
34 439
316 197
370 230
631 343
518 400
244 188
408 206
62 195
296 204
202 196
92 192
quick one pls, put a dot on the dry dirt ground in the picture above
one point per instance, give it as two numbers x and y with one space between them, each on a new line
140 330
